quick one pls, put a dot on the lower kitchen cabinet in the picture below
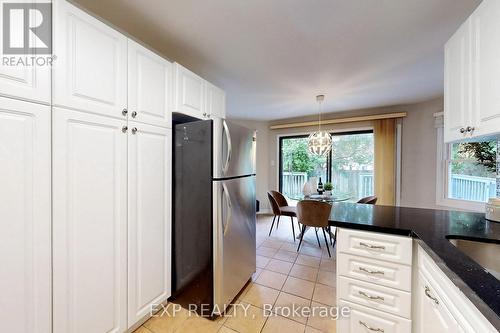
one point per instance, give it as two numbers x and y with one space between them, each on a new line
439 306
25 239
364 319
89 223
149 197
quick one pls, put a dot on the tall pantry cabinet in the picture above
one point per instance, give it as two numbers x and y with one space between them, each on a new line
111 176
25 238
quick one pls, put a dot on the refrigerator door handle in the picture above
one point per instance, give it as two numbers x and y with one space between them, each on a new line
225 192
229 147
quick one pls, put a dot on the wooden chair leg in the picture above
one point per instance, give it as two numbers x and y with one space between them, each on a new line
316 230
293 229
301 236
272 224
326 242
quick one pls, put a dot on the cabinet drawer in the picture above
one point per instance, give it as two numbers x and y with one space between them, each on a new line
375 271
376 245
363 319
374 296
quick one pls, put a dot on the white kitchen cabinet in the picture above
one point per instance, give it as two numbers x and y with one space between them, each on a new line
458 114
31 83
472 76
90 70
439 306
189 93
431 314
149 86
216 101
149 226
363 319
89 222
486 67
25 239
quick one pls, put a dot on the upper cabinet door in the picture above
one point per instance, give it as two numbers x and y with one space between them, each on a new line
27 82
457 84
89 168
189 93
149 86
90 70
149 172
25 245
486 49
216 101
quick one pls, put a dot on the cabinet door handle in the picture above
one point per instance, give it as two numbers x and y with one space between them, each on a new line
124 129
370 271
134 114
462 130
374 247
362 293
124 112
371 328
469 129
134 130
428 294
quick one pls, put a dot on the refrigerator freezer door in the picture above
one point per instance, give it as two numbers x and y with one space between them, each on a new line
234 150
234 238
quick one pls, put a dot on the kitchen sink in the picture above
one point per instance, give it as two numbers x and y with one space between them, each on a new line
484 253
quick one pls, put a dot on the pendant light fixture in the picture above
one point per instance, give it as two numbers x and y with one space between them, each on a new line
319 142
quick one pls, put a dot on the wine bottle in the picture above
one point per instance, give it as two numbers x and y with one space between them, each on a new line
320 187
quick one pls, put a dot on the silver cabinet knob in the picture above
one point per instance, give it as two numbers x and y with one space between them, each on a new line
469 129
124 129
134 114
134 130
124 112
462 130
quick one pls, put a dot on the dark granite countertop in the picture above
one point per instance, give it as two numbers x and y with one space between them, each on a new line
433 228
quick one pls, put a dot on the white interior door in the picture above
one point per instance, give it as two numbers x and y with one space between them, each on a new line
149 86
23 81
90 71
149 218
25 269
486 37
189 92
89 223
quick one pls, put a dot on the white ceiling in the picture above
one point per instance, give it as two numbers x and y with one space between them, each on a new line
274 56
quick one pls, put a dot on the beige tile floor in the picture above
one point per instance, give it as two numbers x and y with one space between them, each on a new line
283 278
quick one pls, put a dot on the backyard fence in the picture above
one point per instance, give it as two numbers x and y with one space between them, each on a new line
471 188
293 182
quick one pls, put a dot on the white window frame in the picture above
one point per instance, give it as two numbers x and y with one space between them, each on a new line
442 179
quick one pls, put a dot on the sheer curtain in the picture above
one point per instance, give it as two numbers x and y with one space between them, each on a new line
385 161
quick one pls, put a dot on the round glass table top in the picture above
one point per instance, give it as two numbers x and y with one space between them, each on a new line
334 197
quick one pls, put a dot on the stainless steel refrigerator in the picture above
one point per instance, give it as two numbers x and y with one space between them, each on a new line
213 213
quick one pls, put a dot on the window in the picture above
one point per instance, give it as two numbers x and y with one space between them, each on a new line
471 170
352 164
348 166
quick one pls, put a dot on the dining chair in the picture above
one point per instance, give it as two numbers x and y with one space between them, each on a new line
371 200
312 213
279 211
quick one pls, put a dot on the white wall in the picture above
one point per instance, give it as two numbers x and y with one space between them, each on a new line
418 155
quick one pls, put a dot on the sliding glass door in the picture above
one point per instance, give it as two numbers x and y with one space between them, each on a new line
349 165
